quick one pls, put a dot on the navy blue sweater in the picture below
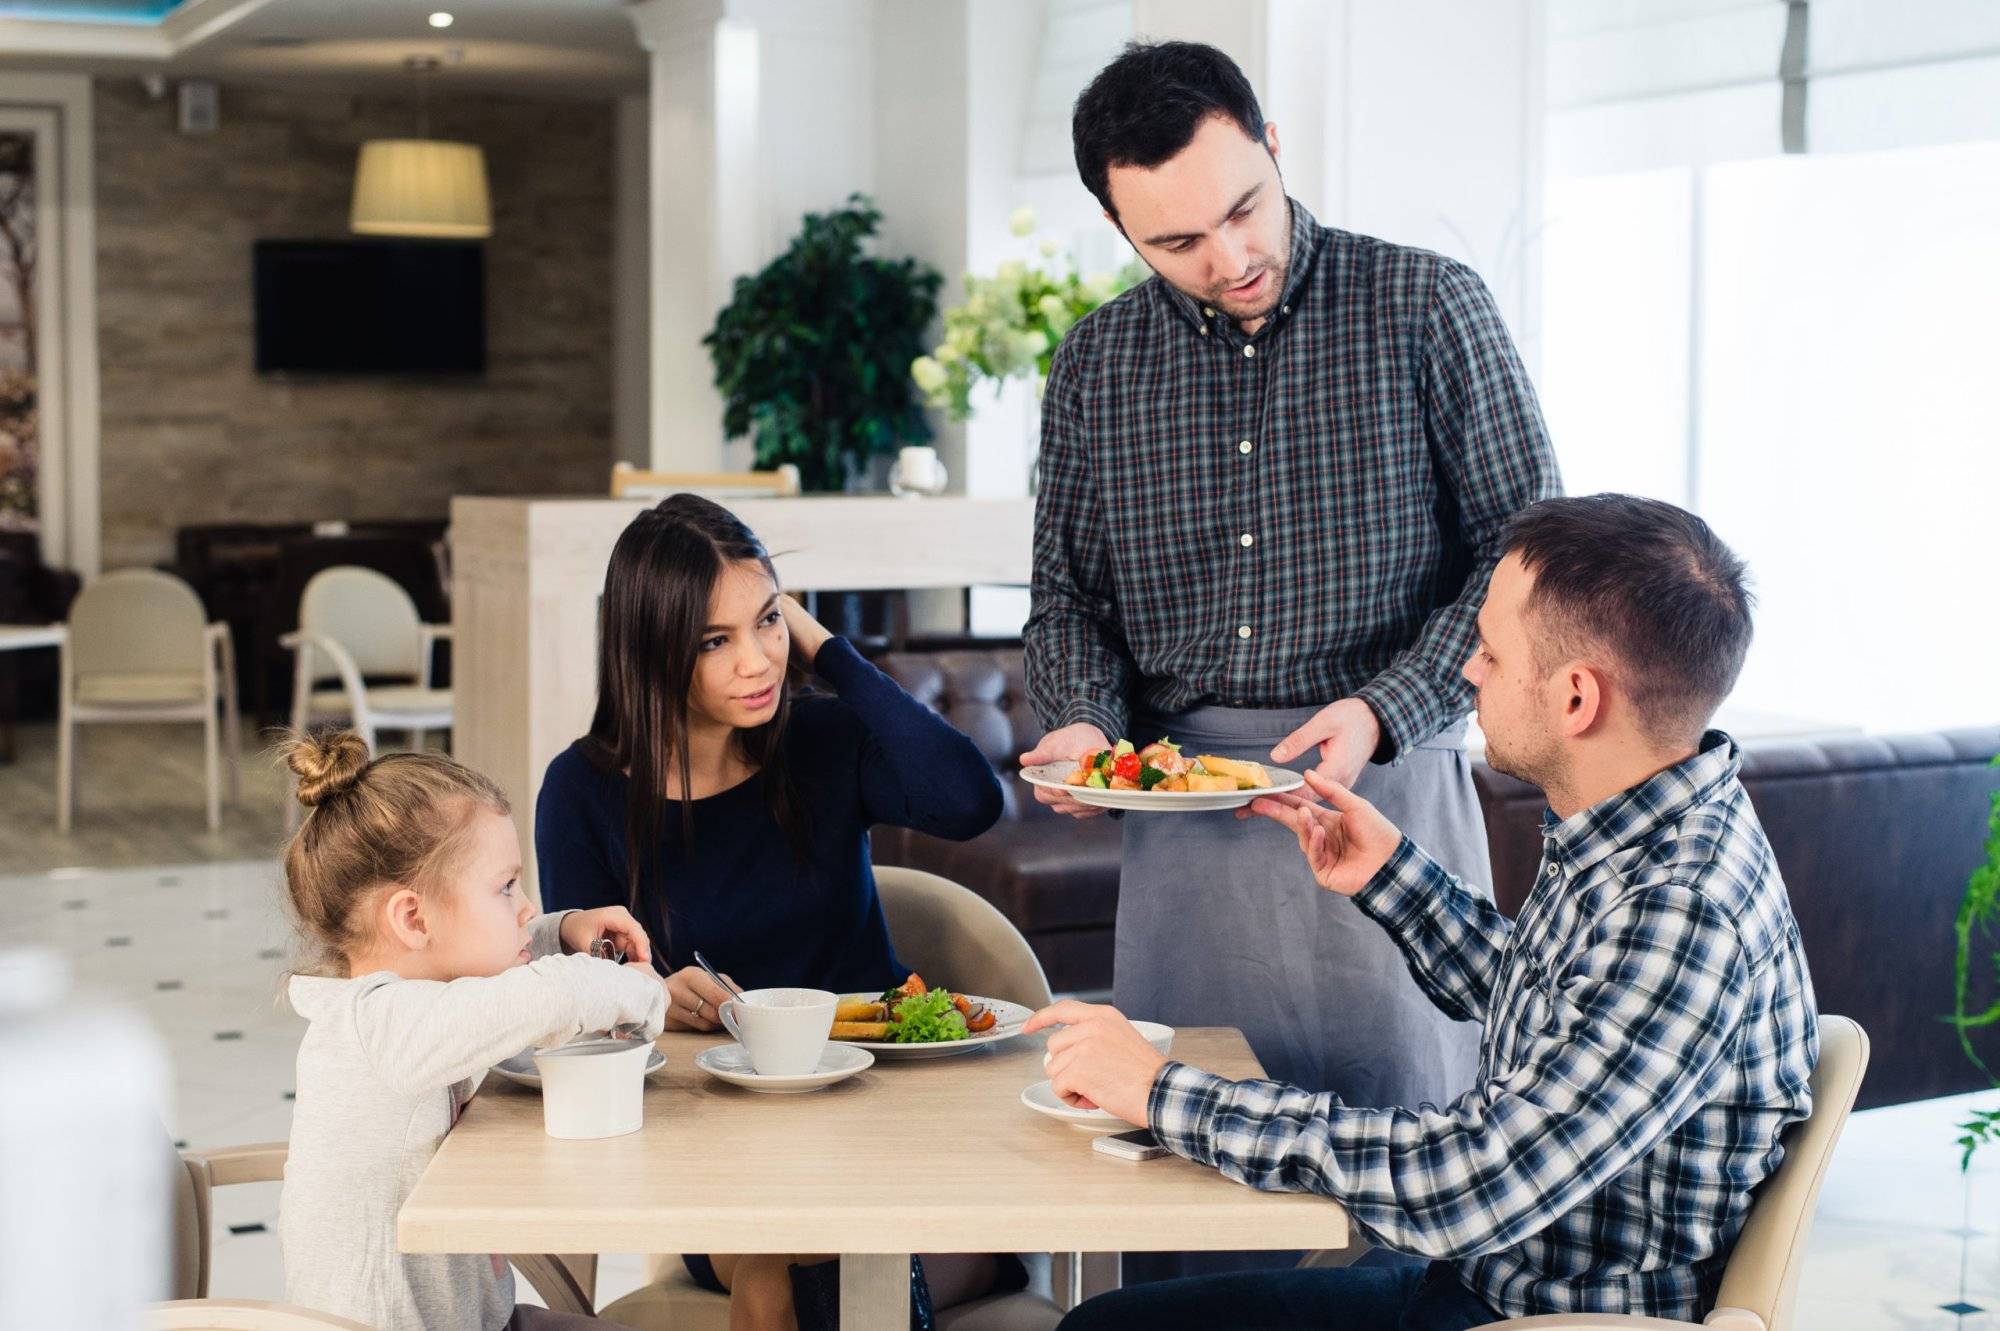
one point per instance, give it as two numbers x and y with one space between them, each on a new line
869 754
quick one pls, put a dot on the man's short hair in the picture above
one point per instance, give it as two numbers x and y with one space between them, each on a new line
1145 106
1649 584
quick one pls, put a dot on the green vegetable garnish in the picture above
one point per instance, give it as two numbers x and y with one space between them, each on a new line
926 1019
1150 776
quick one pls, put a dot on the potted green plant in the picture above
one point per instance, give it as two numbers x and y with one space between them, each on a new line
812 353
1978 911
1010 322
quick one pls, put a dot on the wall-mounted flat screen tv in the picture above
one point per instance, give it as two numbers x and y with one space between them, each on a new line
370 306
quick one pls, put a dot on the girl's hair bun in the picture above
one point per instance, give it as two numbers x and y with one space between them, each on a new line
327 764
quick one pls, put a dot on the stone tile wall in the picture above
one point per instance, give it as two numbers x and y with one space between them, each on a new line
191 432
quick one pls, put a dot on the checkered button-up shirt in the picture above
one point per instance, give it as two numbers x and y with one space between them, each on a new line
1649 1033
1287 518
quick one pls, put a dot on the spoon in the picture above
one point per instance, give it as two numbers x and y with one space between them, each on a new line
713 974
606 950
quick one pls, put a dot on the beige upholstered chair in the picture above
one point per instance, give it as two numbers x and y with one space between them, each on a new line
195 1177
356 623
952 936
140 648
239 1315
630 482
1760 1285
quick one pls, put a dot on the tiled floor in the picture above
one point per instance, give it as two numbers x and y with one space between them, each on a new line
1903 1241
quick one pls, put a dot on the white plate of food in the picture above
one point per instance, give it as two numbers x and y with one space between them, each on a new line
916 1021
1159 778
521 1067
731 1063
1042 1098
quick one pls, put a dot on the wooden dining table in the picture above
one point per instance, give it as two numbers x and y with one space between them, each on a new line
933 1155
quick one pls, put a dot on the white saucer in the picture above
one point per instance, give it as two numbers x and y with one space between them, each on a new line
521 1067
731 1063
1042 1098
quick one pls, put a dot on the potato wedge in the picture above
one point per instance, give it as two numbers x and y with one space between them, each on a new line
861 1012
1253 773
1196 781
860 1030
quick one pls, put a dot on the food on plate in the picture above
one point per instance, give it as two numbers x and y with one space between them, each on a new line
1160 766
911 1013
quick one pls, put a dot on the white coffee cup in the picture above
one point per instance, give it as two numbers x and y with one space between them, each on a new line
593 1088
784 1030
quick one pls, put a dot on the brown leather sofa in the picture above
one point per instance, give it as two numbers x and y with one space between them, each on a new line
1875 836
1056 878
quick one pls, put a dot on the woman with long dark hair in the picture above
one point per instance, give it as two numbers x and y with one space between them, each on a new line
729 810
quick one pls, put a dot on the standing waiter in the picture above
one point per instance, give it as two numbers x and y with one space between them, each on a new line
1273 482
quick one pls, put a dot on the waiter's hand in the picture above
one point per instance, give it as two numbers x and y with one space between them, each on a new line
1069 743
1345 845
1346 734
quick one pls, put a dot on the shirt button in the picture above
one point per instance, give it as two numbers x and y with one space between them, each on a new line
1204 330
1244 448
1210 313
1284 309
1553 870
1247 540
1243 631
1250 351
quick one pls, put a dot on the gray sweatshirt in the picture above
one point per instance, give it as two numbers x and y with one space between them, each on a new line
384 1069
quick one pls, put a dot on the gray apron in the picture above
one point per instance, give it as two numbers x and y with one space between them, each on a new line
1221 924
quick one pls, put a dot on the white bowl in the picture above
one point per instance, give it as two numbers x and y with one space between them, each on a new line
593 1088
1159 1036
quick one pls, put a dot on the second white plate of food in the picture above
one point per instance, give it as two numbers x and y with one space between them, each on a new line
521 1068
1008 1019
1051 776
1042 1098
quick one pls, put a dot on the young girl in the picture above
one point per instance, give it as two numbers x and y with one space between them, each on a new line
732 816
434 966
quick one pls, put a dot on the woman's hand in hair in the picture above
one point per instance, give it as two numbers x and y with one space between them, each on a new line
581 928
692 998
808 634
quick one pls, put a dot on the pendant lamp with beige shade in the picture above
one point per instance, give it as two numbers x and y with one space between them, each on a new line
423 186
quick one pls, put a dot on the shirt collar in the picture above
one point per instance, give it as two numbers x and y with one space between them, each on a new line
1305 250
1582 839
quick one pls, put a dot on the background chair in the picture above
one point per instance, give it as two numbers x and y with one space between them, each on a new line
1760 1284
140 649
951 936
629 482
356 624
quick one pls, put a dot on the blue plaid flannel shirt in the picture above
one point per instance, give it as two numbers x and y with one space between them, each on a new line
1649 1034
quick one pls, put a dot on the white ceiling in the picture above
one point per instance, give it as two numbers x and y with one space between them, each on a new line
579 48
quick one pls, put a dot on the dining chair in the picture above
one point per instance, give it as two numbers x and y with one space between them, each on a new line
195 1175
630 482
357 624
1760 1281
239 1315
951 936
139 647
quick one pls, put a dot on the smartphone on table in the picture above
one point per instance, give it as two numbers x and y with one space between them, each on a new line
1137 1145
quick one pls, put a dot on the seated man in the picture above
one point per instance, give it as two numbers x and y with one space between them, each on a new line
1649 1027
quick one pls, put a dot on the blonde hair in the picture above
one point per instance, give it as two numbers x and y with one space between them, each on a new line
397 819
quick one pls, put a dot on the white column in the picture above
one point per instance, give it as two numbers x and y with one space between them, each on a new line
761 111
631 292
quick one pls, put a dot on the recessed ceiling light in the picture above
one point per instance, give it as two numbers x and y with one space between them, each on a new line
440 20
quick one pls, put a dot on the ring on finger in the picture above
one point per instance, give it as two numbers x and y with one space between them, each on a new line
699 1004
